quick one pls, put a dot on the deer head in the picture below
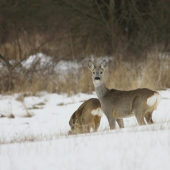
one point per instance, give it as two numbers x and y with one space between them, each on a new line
97 72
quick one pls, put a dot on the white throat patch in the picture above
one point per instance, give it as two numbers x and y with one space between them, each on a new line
97 83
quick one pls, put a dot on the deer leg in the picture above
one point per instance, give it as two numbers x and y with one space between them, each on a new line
120 123
148 117
85 129
140 118
138 111
92 125
112 122
97 123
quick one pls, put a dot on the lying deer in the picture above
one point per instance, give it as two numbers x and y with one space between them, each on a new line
87 116
118 104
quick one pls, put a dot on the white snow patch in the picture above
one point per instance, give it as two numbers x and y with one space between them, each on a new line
158 98
39 57
134 147
67 65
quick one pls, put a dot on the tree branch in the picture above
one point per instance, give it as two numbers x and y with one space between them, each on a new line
5 61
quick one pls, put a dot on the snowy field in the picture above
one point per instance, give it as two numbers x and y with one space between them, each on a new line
36 138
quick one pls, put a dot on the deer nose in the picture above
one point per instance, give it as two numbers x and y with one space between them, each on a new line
97 78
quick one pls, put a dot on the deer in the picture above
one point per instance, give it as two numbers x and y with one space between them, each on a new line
86 117
117 104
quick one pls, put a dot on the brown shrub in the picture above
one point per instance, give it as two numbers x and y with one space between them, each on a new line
125 75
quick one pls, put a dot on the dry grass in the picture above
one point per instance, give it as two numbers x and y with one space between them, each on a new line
11 116
152 73
21 137
21 99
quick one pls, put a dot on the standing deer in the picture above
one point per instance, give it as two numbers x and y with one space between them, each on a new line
118 104
87 116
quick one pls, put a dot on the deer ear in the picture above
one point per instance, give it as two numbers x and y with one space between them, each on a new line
103 65
91 65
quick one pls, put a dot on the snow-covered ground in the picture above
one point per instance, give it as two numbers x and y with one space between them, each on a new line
41 142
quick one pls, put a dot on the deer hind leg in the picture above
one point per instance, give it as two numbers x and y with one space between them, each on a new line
92 126
120 123
138 110
139 114
85 128
97 122
140 117
148 117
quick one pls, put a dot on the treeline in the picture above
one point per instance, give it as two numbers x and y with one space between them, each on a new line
74 29
135 32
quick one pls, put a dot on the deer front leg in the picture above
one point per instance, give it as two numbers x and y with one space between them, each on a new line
120 123
97 123
111 120
112 123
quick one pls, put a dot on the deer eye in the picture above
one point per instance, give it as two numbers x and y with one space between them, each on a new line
93 72
100 72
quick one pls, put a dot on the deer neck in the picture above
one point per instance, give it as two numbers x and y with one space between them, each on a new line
101 90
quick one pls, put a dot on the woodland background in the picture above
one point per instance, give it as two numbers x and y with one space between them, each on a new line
134 35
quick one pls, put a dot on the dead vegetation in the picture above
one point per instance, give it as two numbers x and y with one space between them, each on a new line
11 116
136 34
20 98
153 72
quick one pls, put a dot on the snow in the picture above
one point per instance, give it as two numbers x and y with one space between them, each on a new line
41 60
33 59
41 141
106 151
66 66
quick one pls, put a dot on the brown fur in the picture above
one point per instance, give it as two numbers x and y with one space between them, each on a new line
82 120
118 104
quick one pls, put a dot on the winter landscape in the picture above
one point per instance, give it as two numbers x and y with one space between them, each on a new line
41 141
34 135
57 54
